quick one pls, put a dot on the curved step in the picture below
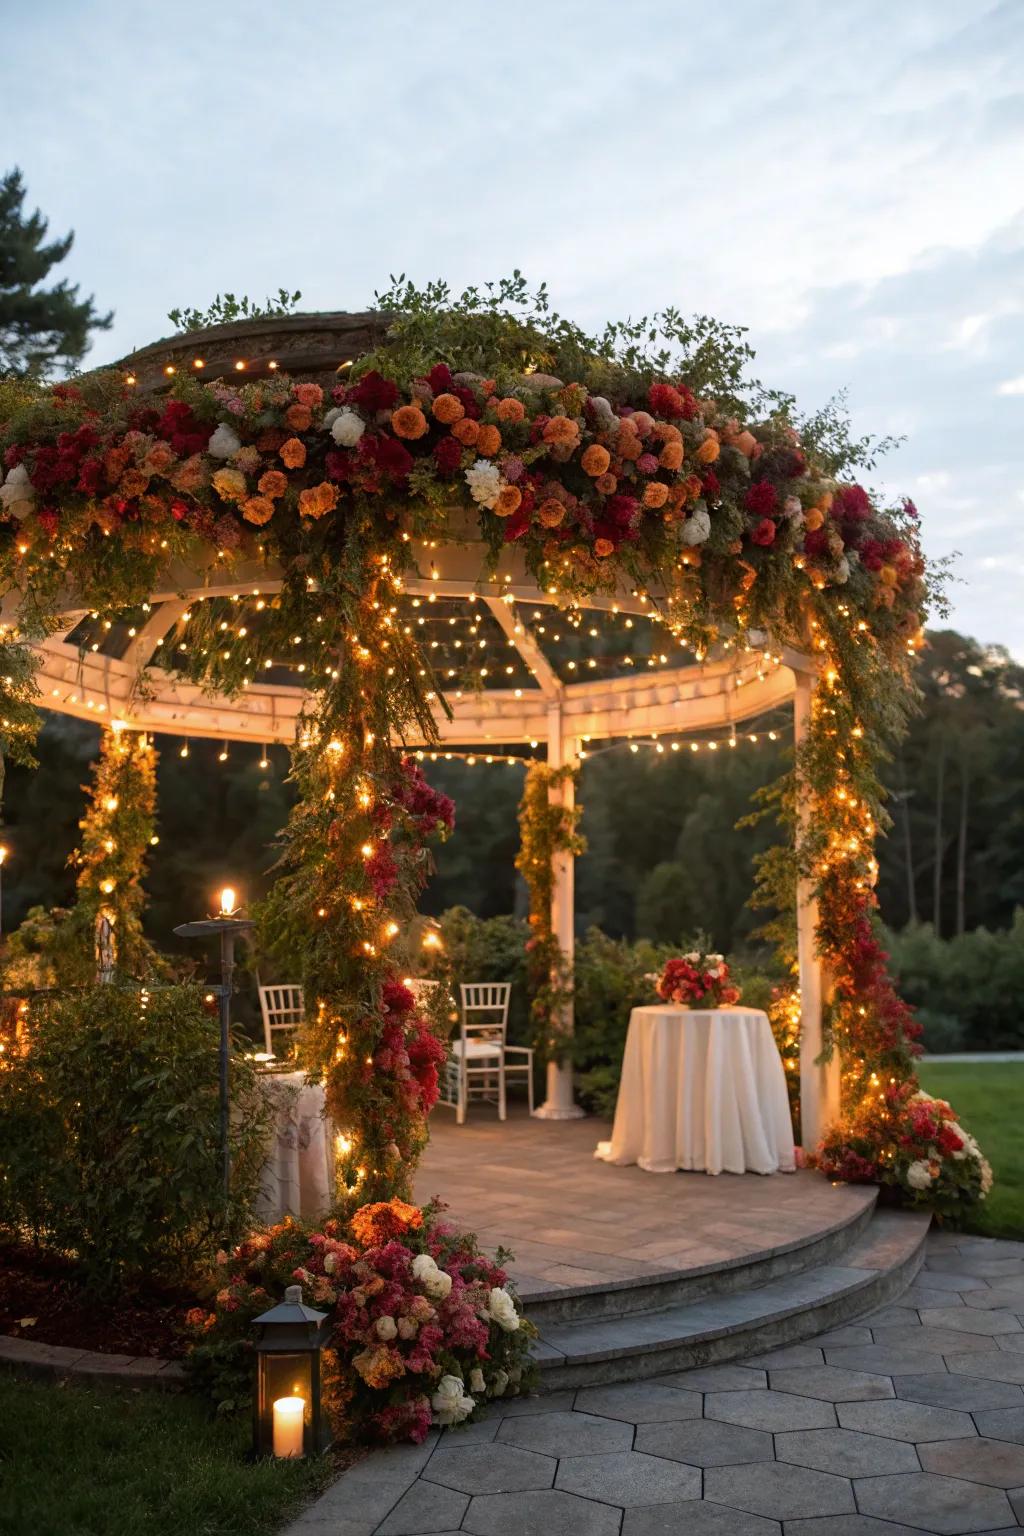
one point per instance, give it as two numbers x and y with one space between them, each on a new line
677 1287
728 1325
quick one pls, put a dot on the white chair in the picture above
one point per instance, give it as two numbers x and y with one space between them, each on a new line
478 1065
283 1008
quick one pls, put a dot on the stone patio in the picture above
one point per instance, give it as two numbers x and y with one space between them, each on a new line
574 1222
909 1421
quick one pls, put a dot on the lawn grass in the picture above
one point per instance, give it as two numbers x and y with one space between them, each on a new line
105 1461
989 1098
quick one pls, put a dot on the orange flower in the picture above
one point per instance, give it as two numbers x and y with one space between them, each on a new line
510 409
562 431
671 456
693 487
158 460
293 453
379 1366
190 475
373 1224
825 501
509 498
270 440
595 460
467 431
655 494
677 494
318 500
606 484
134 482
604 547
258 510
746 442
299 417
488 441
447 408
409 421
550 513
308 394
709 450
889 576
628 442
813 519
273 483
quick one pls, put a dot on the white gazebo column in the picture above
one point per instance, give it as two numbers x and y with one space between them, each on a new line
558 1102
819 1081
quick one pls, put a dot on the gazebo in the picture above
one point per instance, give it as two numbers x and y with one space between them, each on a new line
108 671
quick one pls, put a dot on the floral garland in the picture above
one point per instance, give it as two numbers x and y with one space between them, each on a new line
547 827
696 978
626 475
425 1327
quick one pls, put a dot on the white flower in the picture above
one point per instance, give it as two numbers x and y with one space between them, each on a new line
501 1381
484 482
224 443
502 1309
434 1281
692 958
476 1380
330 1261
17 492
919 1175
602 409
387 1329
986 1177
450 1402
408 1327
841 573
697 528
347 428
791 508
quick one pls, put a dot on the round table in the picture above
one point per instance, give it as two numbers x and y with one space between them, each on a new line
296 1179
701 1089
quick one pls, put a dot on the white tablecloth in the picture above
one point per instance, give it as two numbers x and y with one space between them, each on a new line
701 1089
296 1177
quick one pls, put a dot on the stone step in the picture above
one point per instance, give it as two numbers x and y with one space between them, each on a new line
878 1266
676 1288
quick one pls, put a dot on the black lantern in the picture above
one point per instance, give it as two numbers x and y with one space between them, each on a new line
288 1418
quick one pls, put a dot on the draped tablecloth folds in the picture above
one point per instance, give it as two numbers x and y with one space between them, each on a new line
702 1090
296 1179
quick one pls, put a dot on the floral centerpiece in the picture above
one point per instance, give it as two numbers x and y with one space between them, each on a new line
425 1327
905 1139
697 980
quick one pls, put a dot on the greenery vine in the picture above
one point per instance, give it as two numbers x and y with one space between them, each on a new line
548 829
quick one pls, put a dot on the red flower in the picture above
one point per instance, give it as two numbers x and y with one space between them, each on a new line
711 485
764 533
440 379
373 392
816 543
448 454
851 504
664 400
622 511
762 499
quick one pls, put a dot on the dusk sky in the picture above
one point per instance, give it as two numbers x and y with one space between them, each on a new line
847 180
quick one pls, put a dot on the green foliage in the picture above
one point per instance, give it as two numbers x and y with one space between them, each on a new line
989 1096
109 1134
226 308
611 978
968 988
489 949
40 328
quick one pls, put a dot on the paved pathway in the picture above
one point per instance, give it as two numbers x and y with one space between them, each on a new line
910 1421
534 1186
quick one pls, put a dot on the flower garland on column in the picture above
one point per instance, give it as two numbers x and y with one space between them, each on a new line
118 830
548 827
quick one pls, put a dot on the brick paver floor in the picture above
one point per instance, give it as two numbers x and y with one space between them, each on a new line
909 1421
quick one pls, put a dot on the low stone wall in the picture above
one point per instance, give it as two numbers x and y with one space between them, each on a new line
58 1360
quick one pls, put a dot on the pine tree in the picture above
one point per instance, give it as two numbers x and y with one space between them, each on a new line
39 327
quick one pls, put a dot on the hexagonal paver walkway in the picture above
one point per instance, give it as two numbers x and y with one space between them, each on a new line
909 1422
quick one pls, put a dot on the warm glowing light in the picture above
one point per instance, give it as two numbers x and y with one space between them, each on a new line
3 855
110 804
228 902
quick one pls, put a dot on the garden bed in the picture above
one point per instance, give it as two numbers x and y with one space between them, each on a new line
41 1299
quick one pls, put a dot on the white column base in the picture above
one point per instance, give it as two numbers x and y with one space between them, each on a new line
559 1105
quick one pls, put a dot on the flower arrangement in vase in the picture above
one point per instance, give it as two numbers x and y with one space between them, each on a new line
697 980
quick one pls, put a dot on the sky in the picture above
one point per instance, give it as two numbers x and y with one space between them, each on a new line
845 179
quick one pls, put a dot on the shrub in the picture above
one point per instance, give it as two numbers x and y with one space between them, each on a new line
110 1136
976 979
610 981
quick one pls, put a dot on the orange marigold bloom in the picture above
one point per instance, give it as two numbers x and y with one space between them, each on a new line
376 1223
709 450
813 519
509 499
550 513
158 460
488 441
467 431
409 421
746 442
318 500
604 547
273 483
448 408
671 456
293 453
308 394
889 576
693 487
678 494
562 431
258 510
825 501
595 459
606 484
628 442
655 494
510 409
133 482
299 417
379 1366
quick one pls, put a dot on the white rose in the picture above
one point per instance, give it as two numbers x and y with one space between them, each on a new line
502 1309
692 958
330 1261
17 492
450 1403
347 428
501 1381
224 443
387 1329
434 1281
697 528
919 1175
484 482
476 1380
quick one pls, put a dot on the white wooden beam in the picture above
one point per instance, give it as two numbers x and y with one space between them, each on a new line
548 680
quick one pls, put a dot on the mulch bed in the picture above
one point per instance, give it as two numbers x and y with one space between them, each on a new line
41 1299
